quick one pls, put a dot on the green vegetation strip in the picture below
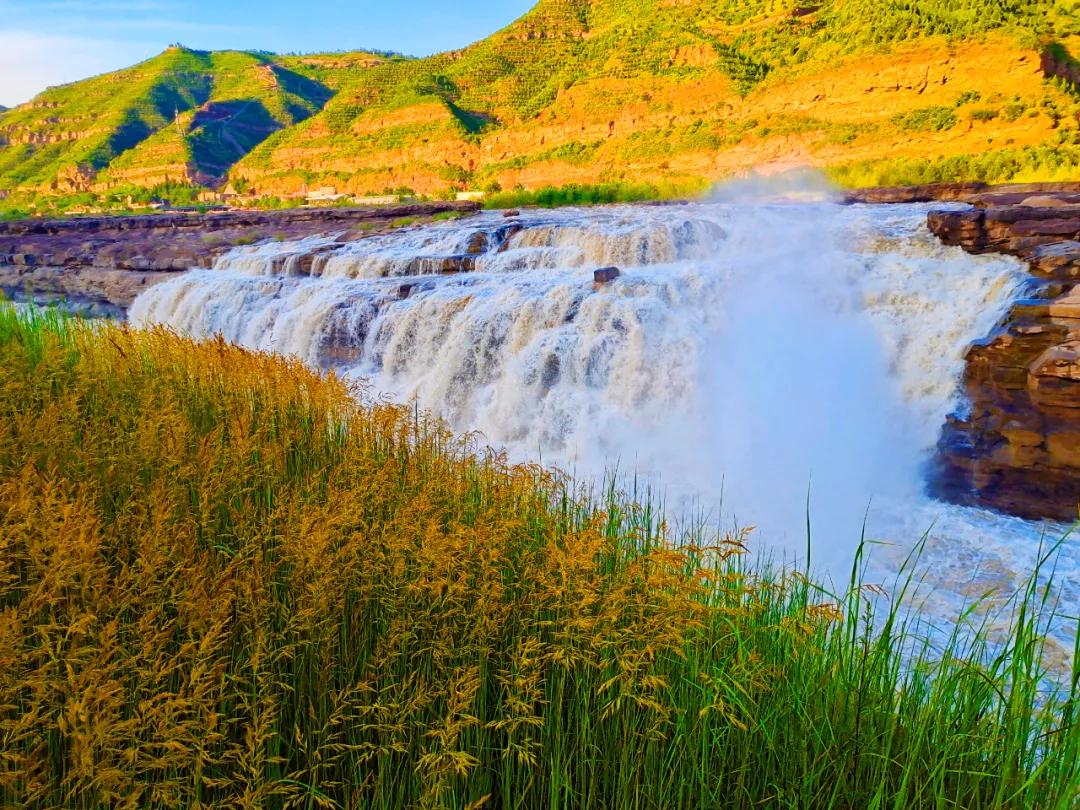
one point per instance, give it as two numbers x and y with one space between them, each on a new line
585 194
1041 163
224 582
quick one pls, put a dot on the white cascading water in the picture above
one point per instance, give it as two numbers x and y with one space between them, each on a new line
748 353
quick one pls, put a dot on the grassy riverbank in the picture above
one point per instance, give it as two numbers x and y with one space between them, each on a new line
224 583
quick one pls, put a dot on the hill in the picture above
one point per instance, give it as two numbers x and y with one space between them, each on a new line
184 115
668 92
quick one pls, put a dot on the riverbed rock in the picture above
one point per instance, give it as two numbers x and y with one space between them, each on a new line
1018 230
110 260
933 192
478 243
1015 447
1057 260
115 287
1061 201
979 194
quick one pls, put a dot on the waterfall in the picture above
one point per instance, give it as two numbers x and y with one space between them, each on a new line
747 353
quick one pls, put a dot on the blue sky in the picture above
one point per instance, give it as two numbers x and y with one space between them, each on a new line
46 42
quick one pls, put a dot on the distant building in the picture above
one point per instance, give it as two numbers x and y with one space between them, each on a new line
385 199
325 194
470 196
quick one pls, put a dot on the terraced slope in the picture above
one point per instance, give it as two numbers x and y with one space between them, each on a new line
677 92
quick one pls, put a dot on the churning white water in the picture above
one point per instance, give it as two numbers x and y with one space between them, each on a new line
748 354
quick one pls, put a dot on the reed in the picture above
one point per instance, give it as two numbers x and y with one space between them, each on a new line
228 581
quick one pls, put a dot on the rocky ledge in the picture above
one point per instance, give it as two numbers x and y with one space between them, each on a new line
1016 447
103 263
975 193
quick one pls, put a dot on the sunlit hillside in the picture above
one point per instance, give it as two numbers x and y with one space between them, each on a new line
672 92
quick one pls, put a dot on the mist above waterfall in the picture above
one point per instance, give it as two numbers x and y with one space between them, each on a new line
800 401
748 354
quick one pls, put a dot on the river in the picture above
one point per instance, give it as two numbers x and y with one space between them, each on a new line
748 356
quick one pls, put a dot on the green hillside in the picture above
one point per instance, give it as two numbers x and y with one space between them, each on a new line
705 70
206 109
663 92
518 72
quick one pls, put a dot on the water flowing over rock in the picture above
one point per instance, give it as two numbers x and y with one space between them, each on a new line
745 354
743 351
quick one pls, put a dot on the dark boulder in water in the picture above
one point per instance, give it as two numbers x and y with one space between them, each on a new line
606 275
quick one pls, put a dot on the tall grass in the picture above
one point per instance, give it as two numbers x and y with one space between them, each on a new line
223 582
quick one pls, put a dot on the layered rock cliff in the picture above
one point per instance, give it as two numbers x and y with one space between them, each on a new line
1016 446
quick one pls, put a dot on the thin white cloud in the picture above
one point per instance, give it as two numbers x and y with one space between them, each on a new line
30 62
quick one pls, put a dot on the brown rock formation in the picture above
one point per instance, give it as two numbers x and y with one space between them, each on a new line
1017 450
106 262
1015 229
1057 63
934 192
1045 195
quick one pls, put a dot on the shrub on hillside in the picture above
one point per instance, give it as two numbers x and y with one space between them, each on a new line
926 119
